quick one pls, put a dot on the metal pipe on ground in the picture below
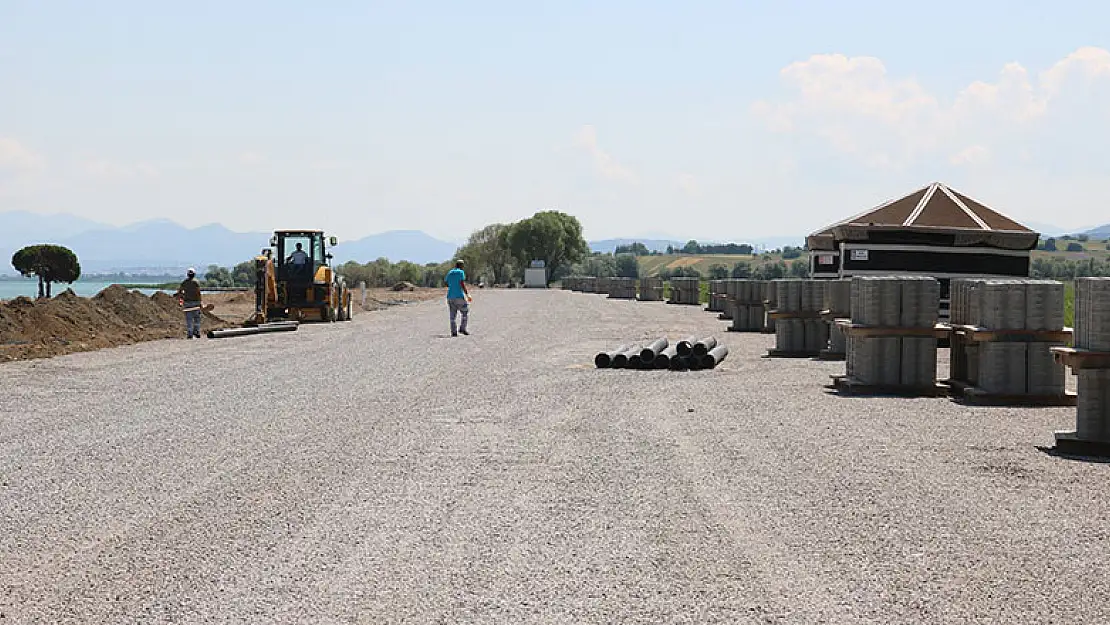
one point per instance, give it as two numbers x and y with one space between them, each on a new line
276 326
604 360
651 350
714 357
702 346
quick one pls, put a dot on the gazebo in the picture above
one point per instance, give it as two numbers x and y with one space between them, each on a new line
934 231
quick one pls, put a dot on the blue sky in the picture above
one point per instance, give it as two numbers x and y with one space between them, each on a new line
700 119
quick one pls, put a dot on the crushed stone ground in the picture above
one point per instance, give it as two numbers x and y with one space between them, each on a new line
381 471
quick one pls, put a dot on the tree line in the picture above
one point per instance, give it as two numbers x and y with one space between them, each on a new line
624 265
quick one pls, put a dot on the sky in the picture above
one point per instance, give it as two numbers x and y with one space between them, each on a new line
714 120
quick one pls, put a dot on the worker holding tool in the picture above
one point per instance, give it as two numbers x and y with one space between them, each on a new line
458 297
188 295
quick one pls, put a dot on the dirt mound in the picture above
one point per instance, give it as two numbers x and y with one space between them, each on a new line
404 286
68 323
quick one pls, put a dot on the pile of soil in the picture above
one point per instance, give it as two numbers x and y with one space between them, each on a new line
404 286
68 323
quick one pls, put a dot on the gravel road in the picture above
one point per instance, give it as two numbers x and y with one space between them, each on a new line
382 472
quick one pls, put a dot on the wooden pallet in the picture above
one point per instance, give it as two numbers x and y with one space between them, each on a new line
755 331
977 334
1067 442
1080 358
845 386
829 355
939 330
778 353
976 396
831 316
781 314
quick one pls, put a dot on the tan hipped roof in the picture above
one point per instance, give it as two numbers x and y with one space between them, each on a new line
936 207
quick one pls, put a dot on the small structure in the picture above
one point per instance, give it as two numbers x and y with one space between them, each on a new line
934 231
535 276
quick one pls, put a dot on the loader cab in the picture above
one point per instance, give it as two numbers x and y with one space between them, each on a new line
298 256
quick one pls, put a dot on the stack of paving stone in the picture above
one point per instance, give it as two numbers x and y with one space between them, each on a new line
587 284
716 297
1092 340
903 354
746 301
685 291
622 288
769 293
799 329
602 286
1004 330
651 289
838 305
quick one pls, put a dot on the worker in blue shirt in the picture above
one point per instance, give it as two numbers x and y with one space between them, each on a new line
458 297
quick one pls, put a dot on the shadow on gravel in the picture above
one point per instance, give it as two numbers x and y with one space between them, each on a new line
1052 451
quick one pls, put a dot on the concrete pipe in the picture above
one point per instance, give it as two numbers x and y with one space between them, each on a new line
702 346
663 360
686 346
714 357
620 361
651 350
604 360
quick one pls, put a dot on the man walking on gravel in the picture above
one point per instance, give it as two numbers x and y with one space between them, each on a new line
458 297
189 296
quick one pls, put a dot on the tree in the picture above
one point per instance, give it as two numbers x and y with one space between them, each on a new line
627 266
1075 247
1050 245
637 248
51 263
742 270
243 274
487 251
550 236
718 271
691 247
670 250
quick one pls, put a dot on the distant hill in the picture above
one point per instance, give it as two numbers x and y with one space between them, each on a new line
608 246
1101 232
161 246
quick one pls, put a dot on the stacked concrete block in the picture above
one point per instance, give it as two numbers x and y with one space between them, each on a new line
622 288
770 302
716 301
685 291
1016 363
651 289
837 305
1092 333
899 360
746 299
799 330
589 284
602 287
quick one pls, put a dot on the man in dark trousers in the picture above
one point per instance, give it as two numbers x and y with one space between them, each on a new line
458 297
189 296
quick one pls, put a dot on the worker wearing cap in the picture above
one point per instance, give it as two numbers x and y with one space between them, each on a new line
457 297
189 296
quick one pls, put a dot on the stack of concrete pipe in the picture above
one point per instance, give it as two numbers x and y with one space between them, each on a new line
1022 364
799 329
685 291
903 303
688 354
745 299
837 305
1092 332
622 288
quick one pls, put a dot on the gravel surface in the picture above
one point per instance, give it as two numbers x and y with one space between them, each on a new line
382 472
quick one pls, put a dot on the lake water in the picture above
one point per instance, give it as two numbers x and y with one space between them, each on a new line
11 289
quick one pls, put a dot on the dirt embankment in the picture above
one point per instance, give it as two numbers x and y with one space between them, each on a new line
67 323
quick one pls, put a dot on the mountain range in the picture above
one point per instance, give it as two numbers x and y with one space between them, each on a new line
161 246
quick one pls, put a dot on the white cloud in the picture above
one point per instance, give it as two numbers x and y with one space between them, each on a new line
112 170
15 156
855 106
971 155
605 165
